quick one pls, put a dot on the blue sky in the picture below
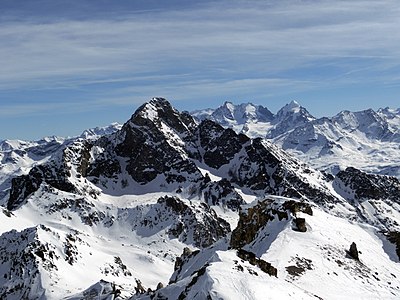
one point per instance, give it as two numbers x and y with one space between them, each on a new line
70 65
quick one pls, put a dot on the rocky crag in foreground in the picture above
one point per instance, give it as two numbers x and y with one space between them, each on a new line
167 207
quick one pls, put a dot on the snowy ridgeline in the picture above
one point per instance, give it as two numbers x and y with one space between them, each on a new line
165 207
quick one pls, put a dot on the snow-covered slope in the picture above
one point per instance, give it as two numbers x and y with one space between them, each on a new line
367 140
19 157
273 259
165 207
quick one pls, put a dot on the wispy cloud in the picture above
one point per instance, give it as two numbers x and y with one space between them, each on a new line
256 36
217 48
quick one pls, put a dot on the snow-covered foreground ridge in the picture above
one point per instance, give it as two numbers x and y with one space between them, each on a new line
166 207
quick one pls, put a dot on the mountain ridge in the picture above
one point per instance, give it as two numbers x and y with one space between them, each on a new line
165 207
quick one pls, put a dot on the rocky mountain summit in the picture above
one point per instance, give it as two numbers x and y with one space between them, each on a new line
175 206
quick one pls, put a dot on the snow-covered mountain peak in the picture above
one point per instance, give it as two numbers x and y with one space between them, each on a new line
292 106
232 115
95 133
229 105
293 109
159 113
289 117
389 111
153 108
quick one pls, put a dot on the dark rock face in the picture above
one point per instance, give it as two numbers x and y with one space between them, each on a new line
250 222
204 233
105 164
151 155
218 193
368 186
218 144
21 188
353 252
257 217
300 224
266 267
25 185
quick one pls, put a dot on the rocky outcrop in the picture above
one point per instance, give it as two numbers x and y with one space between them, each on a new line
72 161
300 224
367 186
181 260
353 252
22 254
220 193
191 223
265 266
255 218
218 146
266 168
25 185
204 232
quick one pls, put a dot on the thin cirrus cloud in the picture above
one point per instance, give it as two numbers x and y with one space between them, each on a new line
223 49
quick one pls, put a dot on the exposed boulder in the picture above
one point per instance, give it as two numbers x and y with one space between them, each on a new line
353 252
300 224
159 286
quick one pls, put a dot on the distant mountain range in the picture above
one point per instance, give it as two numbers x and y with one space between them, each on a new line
208 205
367 139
